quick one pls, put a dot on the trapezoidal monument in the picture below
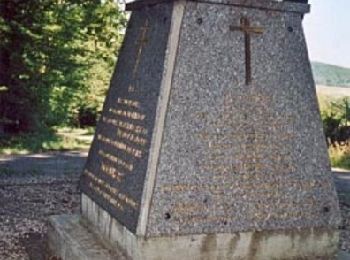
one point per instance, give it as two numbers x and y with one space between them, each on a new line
210 145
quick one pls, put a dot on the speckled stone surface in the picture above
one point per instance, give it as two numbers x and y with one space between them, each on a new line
233 153
237 157
117 163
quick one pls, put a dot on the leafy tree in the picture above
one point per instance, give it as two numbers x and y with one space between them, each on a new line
56 58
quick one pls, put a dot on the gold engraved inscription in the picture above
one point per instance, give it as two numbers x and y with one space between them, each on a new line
119 199
185 187
131 137
116 160
121 146
101 182
125 125
257 137
128 114
106 196
112 172
129 102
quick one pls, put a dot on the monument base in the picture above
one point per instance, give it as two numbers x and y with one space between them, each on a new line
68 239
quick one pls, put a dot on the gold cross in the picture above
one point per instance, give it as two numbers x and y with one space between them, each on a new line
142 42
247 30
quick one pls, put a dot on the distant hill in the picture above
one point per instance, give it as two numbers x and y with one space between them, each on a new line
330 75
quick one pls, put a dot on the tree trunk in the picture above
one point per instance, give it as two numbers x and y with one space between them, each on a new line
5 56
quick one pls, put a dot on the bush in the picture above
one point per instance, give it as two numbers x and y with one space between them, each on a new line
340 156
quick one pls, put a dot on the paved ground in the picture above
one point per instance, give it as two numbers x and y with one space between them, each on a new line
342 181
49 163
36 186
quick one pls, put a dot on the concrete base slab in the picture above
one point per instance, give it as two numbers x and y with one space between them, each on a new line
309 244
70 238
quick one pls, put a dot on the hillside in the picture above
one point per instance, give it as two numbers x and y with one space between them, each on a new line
330 75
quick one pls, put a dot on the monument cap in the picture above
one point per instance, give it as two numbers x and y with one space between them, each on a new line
297 6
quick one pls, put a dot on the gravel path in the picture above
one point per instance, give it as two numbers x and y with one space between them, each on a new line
32 188
23 215
37 186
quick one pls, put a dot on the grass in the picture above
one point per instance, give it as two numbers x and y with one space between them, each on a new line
55 139
340 156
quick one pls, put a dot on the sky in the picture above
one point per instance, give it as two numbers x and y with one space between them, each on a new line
327 30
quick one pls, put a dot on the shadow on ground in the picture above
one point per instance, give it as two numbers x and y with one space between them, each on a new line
35 245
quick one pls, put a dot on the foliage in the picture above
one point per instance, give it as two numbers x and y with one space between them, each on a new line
330 127
335 116
331 117
56 59
334 111
331 75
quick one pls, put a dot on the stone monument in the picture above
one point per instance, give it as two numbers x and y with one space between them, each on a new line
210 145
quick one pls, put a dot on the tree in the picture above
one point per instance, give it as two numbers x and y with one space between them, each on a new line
48 52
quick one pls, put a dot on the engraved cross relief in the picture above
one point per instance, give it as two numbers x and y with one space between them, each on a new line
247 30
141 44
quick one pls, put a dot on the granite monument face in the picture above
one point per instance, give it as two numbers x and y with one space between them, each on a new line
210 145
115 173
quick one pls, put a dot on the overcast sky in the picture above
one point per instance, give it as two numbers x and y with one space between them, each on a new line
327 30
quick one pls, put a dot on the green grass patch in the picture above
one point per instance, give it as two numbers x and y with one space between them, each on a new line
340 156
55 139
